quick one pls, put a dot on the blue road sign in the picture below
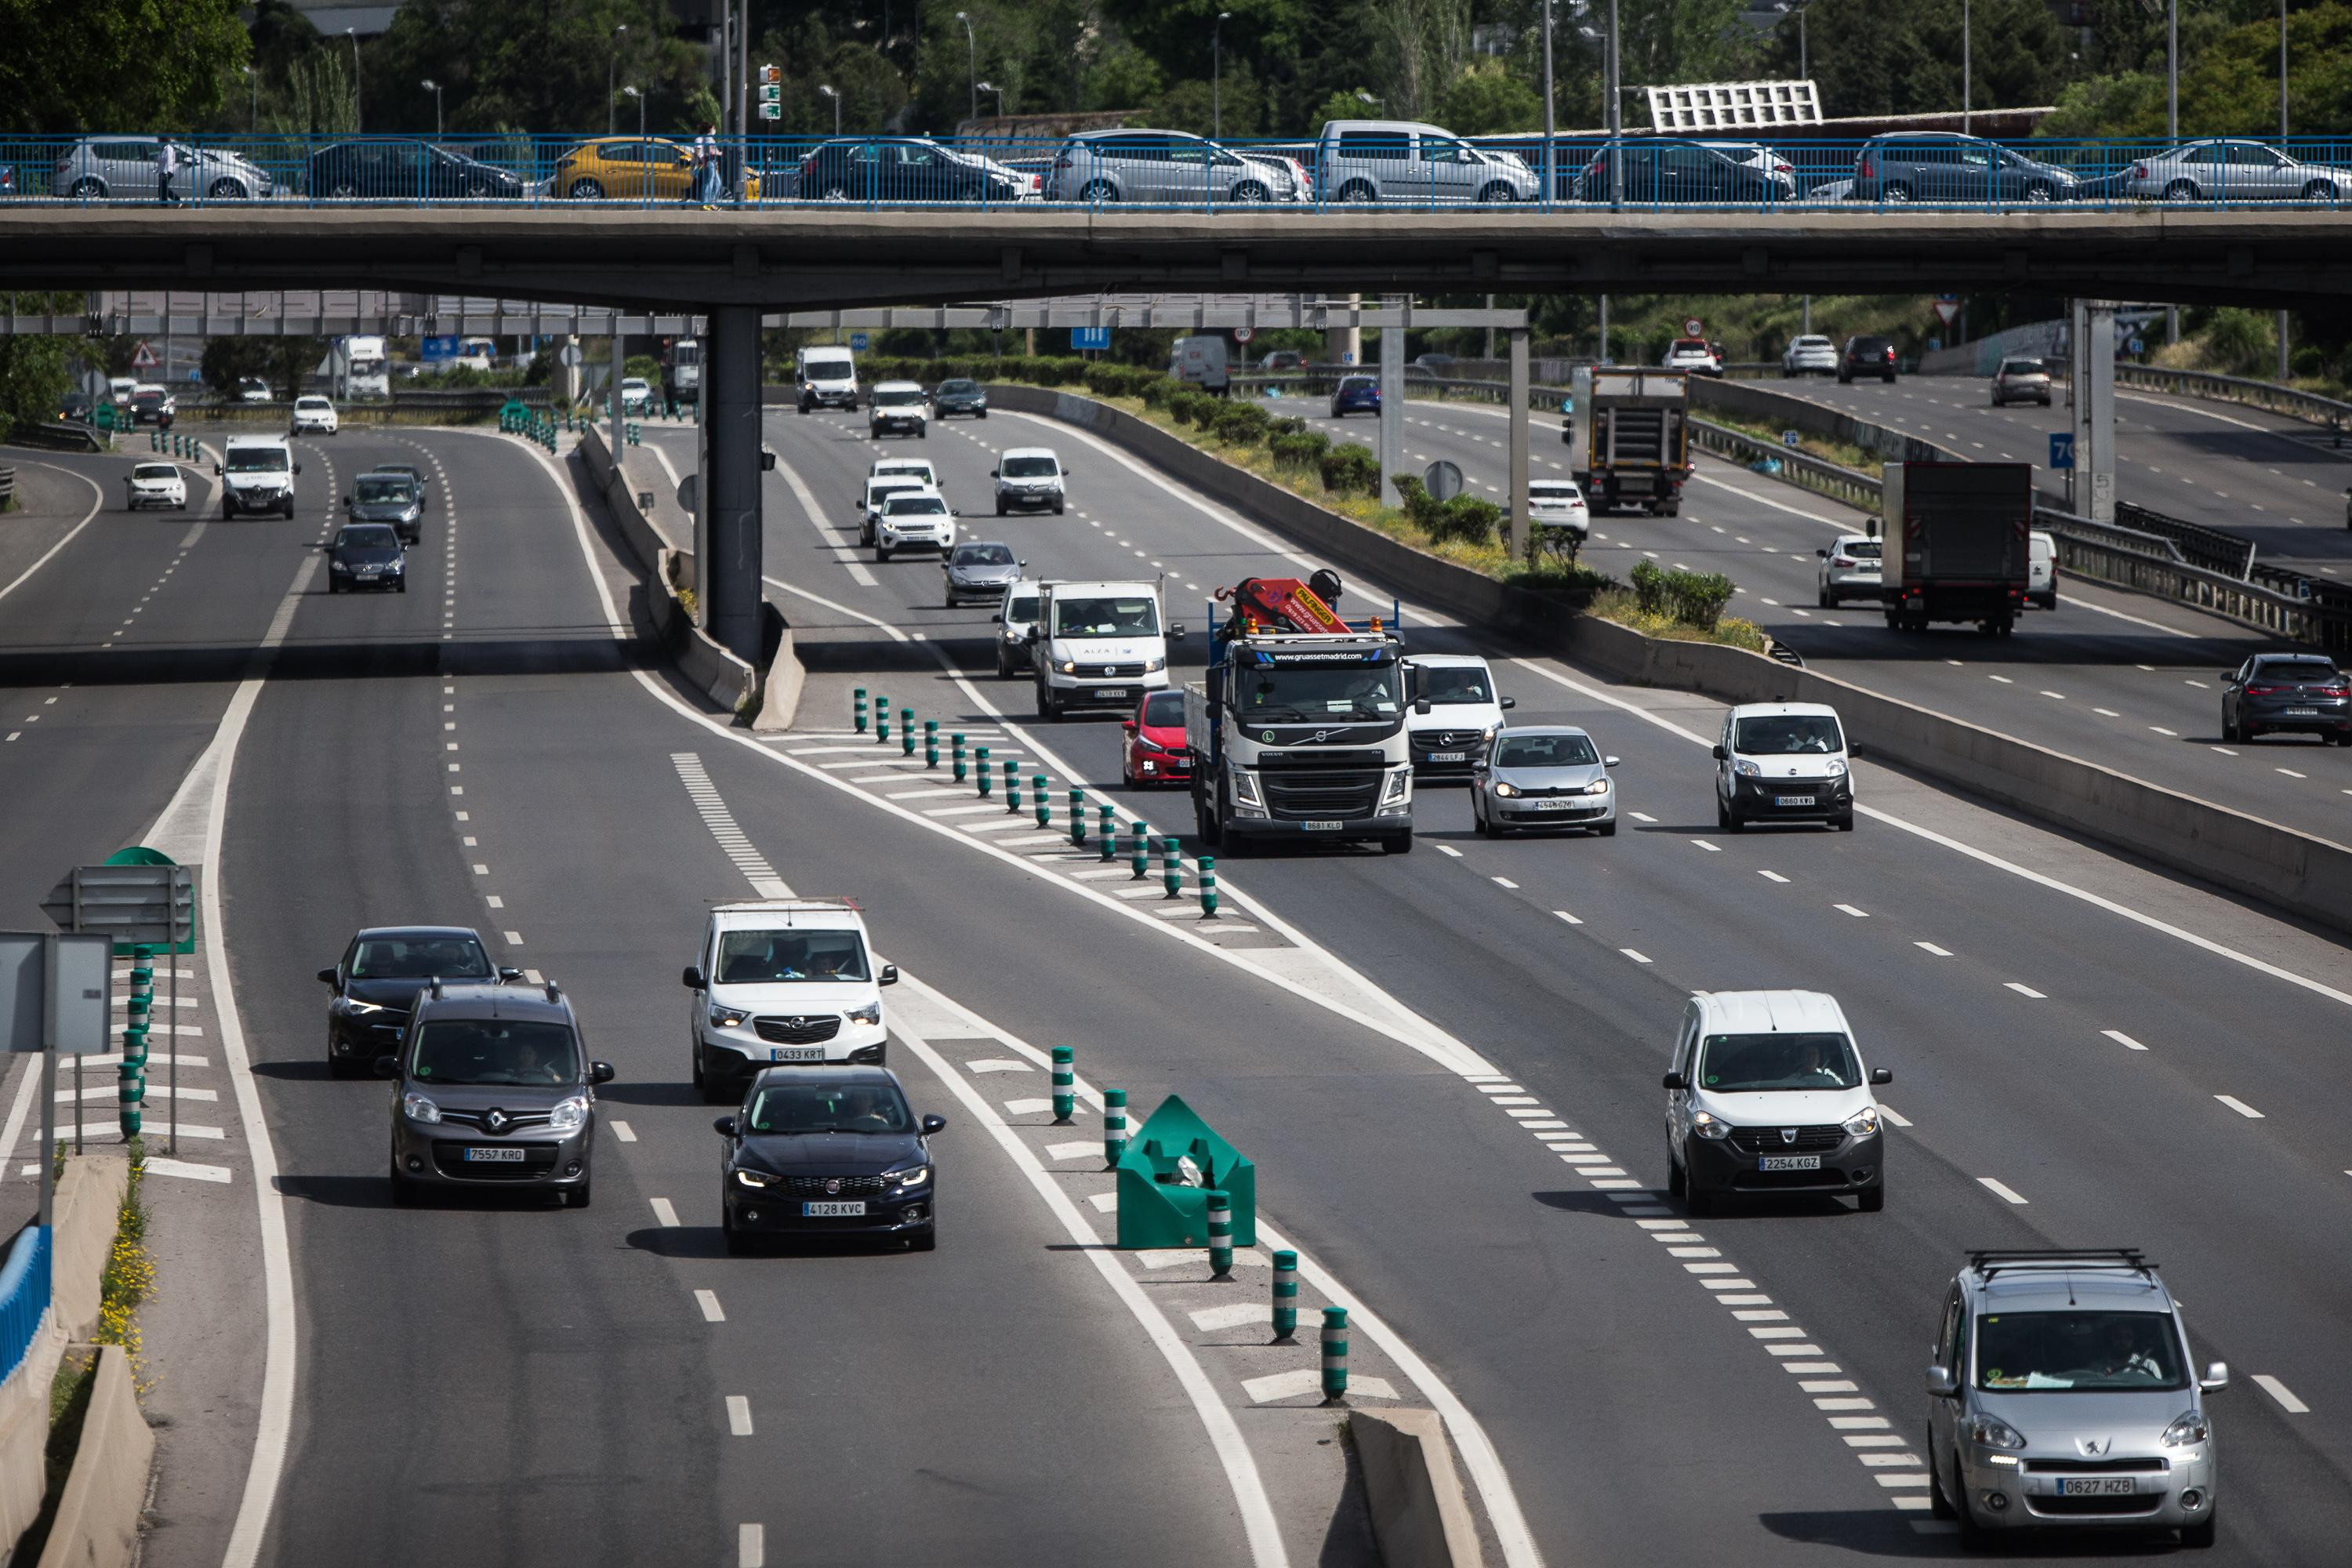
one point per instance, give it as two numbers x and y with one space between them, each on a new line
437 350
2062 448
1791 439
2139 347
1089 338
857 342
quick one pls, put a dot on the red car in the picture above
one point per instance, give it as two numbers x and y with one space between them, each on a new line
1153 751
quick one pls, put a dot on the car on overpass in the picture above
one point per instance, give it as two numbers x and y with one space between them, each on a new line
2287 693
630 168
102 168
1171 168
391 169
1809 355
1670 172
1949 168
1405 161
901 169
2225 169
827 1152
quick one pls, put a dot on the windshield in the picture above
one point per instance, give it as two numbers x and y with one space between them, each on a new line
1020 607
373 492
876 489
1754 1064
915 506
1860 549
959 386
898 397
1552 492
1164 711
832 367
1030 468
496 1051
1788 735
1359 383
368 536
903 468
2303 671
312 403
830 1108
2022 367
257 461
1117 618
1453 685
1545 751
420 958
155 471
1691 346
983 555
766 957
2079 1351
1296 694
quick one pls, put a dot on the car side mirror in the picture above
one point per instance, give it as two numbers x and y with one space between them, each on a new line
1674 1080
889 975
932 1125
1719 752
952 513
1823 553
1881 1075
347 501
691 979
387 1066
298 467
1509 703
996 620
509 976
724 1126
600 1072
1033 634
1420 706
1941 1383
326 977
1176 629
216 474
992 473
2216 1378
1127 725
1610 762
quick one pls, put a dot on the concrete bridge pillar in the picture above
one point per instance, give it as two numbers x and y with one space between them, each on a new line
728 522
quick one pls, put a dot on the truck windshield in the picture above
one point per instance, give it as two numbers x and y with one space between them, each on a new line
767 957
1301 695
2077 1351
1111 617
257 461
1759 1064
1788 735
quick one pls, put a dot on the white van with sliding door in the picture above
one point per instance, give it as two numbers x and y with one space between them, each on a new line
828 379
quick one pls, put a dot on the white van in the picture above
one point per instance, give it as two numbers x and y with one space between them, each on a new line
828 379
1783 762
2041 572
783 980
898 407
1199 362
1097 645
1028 478
257 474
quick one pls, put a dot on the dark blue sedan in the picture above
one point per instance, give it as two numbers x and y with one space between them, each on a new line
1356 394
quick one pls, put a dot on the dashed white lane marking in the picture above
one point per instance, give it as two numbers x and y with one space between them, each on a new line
2023 989
712 1312
2123 1039
2239 1105
156 1165
1644 816
1570 919
1636 957
2005 1193
1772 876
739 1415
513 938
750 1546
625 1132
722 824
1506 882
1849 909
1449 849
1892 1115
1931 947
2280 1391
666 1213
1710 849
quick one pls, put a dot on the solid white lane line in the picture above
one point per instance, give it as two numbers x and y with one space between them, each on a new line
2280 1391
2006 1194
2239 1105
97 501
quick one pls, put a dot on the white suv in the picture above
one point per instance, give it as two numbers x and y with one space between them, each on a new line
315 415
913 520
1455 714
783 980
1766 1093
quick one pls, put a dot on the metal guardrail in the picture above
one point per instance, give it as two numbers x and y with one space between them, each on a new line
1320 381
1797 468
2090 550
2215 548
2327 412
7 486
1759 174
24 1295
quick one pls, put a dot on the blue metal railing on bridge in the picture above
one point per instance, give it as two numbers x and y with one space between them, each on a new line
24 1295
1172 171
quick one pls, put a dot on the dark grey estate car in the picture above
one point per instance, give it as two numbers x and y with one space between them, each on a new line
2299 693
492 1087
827 1151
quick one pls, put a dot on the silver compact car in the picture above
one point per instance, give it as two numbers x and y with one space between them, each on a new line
1547 777
2060 1397
2232 170
1809 355
2021 381
980 569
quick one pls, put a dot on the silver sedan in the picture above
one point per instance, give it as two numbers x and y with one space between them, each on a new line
982 570
1547 776
2233 171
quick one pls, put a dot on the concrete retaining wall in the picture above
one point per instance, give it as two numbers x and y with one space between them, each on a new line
1419 1517
96 1522
24 1427
89 1206
2307 875
1747 400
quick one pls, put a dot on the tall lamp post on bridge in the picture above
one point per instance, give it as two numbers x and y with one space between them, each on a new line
971 60
253 109
2172 122
991 87
633 93
2282 315
612 72
828 92
1217 77
429 85
1615 122
1967 63
353 35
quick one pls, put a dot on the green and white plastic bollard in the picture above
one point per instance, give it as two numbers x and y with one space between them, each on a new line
1206 869
1335 1355
132 1088
1220 1237
858 708
930 742
1114 1126
881 719
1077 818
1171 867
1065 1085
980 760
1286 1297
1141 852
1013 787
906 731
1107 831
1043 802
955 742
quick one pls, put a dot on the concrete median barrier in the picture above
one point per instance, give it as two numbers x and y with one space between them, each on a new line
96 1521
1421 1516
88 1209
2298 872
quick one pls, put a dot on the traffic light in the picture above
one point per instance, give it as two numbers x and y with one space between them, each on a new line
771 92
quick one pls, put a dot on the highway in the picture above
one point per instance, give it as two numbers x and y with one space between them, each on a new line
2126 681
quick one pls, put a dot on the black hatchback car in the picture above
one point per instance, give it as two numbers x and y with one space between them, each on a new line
899 169
960 395
376 981
2294 693
827 1151
366 556
394 170
1671 174
1867 356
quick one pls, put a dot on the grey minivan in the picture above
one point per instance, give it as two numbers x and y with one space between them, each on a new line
1405 160
2061 1395
1165 167
1944 166
98 168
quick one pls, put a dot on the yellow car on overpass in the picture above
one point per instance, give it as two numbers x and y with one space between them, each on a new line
631 168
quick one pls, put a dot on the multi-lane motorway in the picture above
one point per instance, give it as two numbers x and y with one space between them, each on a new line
1446 1064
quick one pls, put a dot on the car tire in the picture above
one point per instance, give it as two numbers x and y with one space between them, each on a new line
585 191
1497 195
881 552
1250 192
981 414
1873 1199
2199 1536
737 1244
925 1240
1843 823
2317 190
403 586
1098 193
1004 665
1697 1204
2182 191
1210 830
1357 192
1398 843
403 1191
1827 603
227 191
1974 1537
1677 1183
1000 508
1939 1505
1058 509
1606 829
579 1196
1478 817
2040 193
1722 815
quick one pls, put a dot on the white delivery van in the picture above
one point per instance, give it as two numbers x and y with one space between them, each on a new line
783 980
1097 645
828 379
2041 570
1199 361
257 474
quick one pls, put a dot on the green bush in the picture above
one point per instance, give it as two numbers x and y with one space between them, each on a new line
1240 424
1303 448
1699 597
1191 407
1160 389
1650 588
1351 469
1465 520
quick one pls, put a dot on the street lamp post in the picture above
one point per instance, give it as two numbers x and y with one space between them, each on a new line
828 92
2173 124
1217 76
353 35
611 69
2282 315
1550 158
252 110
991 87
1968 63
429 85
633 93
972 59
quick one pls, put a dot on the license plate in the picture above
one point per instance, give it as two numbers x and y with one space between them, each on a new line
1790 1162
1110 691
1551 805
1792 800
1320 826
1449 756
2302 712
796 1053
843 1210
505 1156
2097 1486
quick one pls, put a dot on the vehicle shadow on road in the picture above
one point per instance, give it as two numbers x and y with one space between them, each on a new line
679 1241
1579 1202
368 1192
1880 1533
678 1092
299 1069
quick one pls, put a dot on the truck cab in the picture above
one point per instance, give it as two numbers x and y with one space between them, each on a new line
828 379
1097 645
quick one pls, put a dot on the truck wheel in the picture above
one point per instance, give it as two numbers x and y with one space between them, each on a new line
1398 843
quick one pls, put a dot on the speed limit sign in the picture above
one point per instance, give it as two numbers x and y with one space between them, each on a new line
1692 326
1244 334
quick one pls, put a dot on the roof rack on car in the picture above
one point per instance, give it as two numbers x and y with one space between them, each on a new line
1992 1260
554 994
435 987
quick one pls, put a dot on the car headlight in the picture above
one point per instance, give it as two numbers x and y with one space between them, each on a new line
912 1176
1863 1123
870 1013
568 1115
1400 787
1992 1431
352 1004
1068 666
1836 768
1244 785
727 1018
1598 786
1747 769
2189 1427
1508 790
1706 1125
755 1178
417 1108
1155 667
339 566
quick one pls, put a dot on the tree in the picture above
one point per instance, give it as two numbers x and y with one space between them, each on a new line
1487 100
1902 57
34 373
227 361
115 65
540 67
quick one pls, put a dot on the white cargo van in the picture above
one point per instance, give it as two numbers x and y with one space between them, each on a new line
828 379
257 474
1097 645
1199 361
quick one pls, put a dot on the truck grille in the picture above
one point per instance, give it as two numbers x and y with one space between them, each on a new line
1108 671
1314 795
798 1031
1768 1139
